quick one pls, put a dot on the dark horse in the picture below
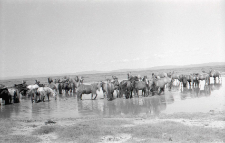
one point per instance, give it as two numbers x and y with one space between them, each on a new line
125 87
4 94
22 88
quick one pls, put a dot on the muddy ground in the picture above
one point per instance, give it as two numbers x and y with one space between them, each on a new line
180 127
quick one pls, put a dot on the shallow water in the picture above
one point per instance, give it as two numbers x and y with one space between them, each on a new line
189 100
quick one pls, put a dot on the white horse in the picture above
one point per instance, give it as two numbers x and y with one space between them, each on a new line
15 96
34 86
45 91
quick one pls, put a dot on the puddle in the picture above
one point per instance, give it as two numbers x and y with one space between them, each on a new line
189 100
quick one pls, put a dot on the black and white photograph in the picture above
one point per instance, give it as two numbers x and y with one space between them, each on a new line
112 71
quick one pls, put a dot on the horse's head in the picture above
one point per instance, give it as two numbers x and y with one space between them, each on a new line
169 74
116 82
129 75
81 80
77 84
108 80
53 93
99 85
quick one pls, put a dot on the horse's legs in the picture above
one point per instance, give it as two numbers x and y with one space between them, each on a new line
91 95
43 98
31 97
96 96
159 90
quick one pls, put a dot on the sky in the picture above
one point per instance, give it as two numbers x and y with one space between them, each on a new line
67 36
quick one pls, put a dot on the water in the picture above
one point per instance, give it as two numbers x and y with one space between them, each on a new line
187 100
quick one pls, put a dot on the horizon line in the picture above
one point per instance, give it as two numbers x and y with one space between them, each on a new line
102 71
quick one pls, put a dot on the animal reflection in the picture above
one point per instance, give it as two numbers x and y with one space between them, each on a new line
194 92
135 106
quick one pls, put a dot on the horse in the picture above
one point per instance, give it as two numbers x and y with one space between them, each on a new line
75 83
159 84
33 95
109 87
160 75
50 80
186 79
132 78
67 86
34 86
45 91
110 90
206 77
4 94
22 88
213 73
116 83
154 76
87 89
195 77
53 86
140 85
125 87
14 93
174 76
39 84
104 89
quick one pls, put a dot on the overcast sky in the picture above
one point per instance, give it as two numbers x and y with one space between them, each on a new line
67 36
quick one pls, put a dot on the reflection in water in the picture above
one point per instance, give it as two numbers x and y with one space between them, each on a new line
67 105
194 92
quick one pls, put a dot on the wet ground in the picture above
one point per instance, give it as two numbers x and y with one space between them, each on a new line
206 98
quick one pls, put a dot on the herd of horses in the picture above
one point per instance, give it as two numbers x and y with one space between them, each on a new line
154 85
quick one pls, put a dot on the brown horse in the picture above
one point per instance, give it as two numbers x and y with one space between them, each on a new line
110 90
125 87
159 84
88 89
174 76
140 85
